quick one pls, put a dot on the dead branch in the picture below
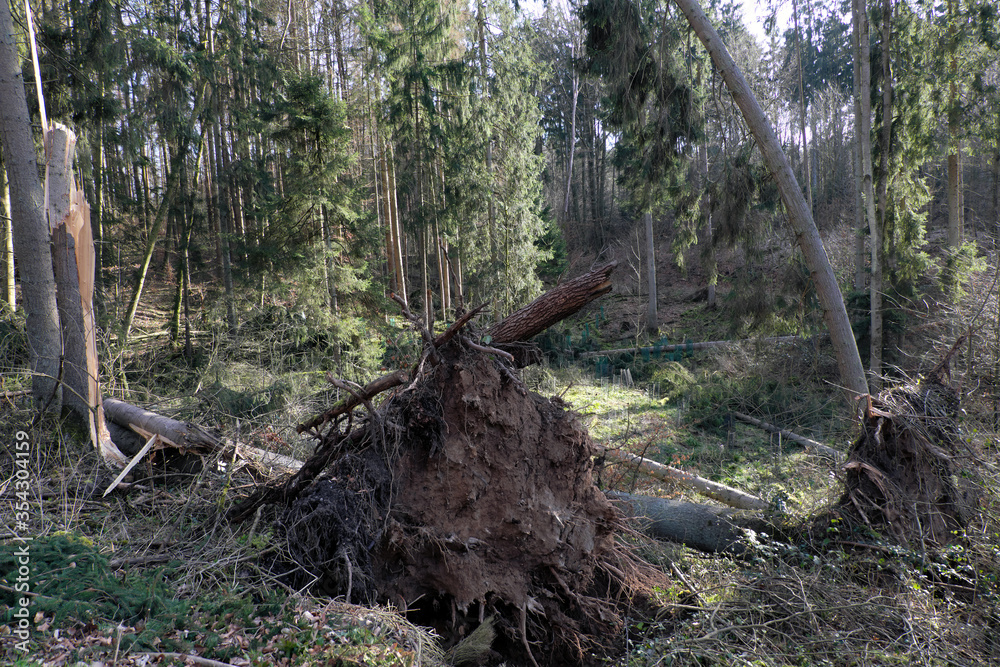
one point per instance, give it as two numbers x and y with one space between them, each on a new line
810 445
689 346
355 399
724 494
457 325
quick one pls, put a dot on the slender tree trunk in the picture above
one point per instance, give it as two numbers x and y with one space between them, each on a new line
834 313
9 284
571 140
652 322
30 231
860 221
390 159
98 210
221 231
484 75
802 109
173 184
711 269
878 238
954 141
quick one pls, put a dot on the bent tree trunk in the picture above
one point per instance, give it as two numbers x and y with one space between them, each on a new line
852 373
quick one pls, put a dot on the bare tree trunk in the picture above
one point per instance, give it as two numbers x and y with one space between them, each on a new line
954 141
710 265
702 527
9 284
806 171
30 232
878 238
558 303
860 222
852 373
571 141
74 260
652 323
706 487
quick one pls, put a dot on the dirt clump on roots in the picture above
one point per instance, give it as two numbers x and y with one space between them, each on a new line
909 475
469 498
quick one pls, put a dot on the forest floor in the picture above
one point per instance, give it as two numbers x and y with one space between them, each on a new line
159 576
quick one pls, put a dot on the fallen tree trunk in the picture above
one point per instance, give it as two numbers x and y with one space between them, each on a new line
810 445
557 304
714 490
701 527
183 435
688 346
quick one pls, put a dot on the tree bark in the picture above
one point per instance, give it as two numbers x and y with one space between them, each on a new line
571 147
702 527
806 170
68 263
558 303
30 232
954 141
852 373
879 221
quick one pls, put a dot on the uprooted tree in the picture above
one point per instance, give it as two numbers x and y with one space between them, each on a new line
464 497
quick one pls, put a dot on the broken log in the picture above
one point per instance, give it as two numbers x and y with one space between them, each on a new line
701 527
182 435
557 304
810 445
726 495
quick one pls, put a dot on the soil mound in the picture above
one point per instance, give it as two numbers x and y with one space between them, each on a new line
470 498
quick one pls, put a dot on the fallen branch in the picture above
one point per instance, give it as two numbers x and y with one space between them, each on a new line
689 346
187 658
353 400
724 494
810 445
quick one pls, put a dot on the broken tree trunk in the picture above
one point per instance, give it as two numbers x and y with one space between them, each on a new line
810 445
182 435
73 264
726 495
702 527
